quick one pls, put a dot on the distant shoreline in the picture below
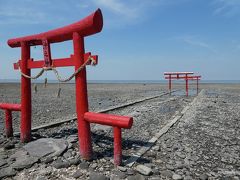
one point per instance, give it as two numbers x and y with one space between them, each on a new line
129 81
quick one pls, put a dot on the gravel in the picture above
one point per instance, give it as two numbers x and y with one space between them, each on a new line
203 144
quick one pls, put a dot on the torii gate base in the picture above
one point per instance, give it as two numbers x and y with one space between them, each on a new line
76 32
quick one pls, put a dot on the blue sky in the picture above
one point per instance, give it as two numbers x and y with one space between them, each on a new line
140 39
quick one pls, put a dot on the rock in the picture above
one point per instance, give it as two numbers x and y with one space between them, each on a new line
94 165
136 177
156 148
119 174
203 177
84 165
176 177
72 139
77 174
41 178
188 178
2 162
46 147
167 173
18 154
170 167
67 155
97 176
130 172
60 164
144 170
74 161
181 155
7 172
121 168
24 162
156 172
48 160
9 145
155 178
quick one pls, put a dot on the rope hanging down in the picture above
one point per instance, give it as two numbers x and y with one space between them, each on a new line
60 79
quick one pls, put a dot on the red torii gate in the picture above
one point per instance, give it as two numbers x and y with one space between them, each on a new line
90 25
177 75
196 78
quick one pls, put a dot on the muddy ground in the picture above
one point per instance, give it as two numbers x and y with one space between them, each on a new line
203 143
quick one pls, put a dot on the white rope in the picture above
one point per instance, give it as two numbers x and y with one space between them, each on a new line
60 79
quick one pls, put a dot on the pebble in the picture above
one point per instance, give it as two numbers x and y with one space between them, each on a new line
144 170
130 172
167 173
9 145
176 177
77 174
60 164
121 168
119 174
136 177
170 167
83 165
97 176
156 148
74 161
203 177
188 178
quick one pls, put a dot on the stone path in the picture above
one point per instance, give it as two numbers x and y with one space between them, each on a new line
205 144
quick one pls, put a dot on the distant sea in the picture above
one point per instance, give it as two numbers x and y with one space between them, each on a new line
128 81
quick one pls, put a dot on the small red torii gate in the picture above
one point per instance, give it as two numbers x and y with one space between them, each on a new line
177 75
90 25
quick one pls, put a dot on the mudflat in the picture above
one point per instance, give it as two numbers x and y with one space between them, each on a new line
203 141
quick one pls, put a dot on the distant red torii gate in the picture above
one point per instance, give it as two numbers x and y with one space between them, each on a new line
177 75
196 78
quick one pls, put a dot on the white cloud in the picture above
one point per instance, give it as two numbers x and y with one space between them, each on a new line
195 41
132 11
228 8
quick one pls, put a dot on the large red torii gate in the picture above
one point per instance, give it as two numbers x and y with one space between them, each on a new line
90 25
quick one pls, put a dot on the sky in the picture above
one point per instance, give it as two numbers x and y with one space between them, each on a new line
140 39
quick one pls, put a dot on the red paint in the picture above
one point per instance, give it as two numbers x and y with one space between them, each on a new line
8 116
117 122
117 146
26 98
81 99
91 24
177 75
11 107
170 84
197 78
76 32
47 53
60 62
8 122
109 119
